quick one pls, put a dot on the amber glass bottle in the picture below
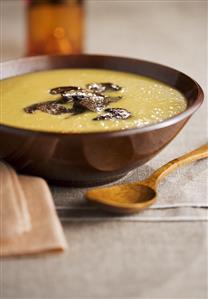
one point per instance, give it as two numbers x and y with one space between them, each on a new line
55 26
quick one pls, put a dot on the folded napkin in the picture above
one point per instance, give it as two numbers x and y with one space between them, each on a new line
29 223
14 215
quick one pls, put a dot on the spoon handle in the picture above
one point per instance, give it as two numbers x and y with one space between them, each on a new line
197 154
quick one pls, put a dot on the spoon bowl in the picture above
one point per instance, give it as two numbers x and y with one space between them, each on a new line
127 198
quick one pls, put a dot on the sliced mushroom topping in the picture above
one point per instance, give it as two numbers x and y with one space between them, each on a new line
95 105
32 108
62 89
102 87
114 113
82 93
91 99
51 107
55 109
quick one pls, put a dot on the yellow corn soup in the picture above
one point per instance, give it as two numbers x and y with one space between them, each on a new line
148 100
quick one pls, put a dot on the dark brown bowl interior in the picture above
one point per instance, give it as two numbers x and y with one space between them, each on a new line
93 158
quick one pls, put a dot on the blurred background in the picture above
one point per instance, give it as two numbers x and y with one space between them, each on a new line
169 32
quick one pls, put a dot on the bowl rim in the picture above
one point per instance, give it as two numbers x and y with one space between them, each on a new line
129 131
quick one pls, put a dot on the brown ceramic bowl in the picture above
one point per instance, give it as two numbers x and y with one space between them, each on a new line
93 158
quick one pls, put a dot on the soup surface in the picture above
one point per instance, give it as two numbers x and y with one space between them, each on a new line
149 101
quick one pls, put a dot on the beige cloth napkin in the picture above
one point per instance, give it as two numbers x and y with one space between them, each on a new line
14 215
29 223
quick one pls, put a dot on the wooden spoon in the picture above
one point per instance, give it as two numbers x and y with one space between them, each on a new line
136 196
